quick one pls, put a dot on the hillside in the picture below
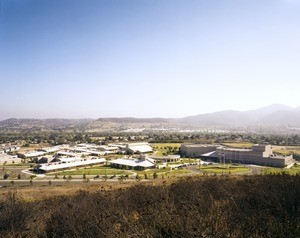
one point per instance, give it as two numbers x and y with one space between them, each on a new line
256 206
274 115
42 124
127 123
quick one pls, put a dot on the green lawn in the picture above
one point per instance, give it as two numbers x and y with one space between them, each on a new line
182 161
151 171
177 172
99 170
166 148
218 169
292 171
162 172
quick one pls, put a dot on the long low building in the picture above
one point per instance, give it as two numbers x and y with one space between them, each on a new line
165 159
9 159
258 154
7 149
31 154
44 168
49 149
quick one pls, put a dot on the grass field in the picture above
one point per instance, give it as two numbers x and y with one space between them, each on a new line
166 148
240 145
37 193
162 172
33 147
152 171
177 172
292 171
218 169
287 150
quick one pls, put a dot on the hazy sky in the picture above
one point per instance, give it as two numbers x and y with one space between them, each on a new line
147 58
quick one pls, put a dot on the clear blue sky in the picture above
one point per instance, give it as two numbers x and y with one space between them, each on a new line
146 58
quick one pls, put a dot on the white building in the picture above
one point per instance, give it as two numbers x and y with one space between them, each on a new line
9 159
140 148
138 164
68 164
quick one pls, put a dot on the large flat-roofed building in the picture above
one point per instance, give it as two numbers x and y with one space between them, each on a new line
30 154
68 164
258 154
140 147
196 150
9 159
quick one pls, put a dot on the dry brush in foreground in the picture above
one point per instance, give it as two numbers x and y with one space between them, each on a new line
257 206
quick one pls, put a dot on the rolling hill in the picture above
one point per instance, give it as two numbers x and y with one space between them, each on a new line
274 115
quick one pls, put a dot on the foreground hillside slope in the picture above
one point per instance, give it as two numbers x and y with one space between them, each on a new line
257 206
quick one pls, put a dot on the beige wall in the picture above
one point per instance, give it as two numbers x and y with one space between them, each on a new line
196 151
256 156
260 154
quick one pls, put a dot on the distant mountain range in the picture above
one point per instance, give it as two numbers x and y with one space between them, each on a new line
274 115
42 124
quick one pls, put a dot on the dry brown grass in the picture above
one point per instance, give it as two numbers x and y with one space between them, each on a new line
33 147
286 150
38 192
211 206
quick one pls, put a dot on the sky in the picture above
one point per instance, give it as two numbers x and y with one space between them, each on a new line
146 58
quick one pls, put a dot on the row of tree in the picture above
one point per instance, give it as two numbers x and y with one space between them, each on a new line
159 137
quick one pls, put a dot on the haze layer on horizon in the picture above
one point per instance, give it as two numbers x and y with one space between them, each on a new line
151 58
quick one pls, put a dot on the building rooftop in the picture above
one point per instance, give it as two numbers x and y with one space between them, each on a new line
236 149
134 163
199 145
34 154
56 166
140 148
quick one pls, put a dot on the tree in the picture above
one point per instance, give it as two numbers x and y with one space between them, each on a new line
5 176
121 178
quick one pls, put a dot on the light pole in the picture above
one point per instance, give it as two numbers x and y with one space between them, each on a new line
223 157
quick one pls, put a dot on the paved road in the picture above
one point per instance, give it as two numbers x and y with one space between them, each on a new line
194 169
255 169
44 182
